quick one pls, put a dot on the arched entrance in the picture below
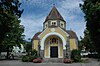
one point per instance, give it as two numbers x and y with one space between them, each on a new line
54 42
53 45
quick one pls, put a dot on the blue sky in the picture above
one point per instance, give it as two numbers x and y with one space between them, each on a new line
35 12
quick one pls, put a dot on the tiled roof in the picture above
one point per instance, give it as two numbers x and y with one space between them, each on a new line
54 15
35 37
72 34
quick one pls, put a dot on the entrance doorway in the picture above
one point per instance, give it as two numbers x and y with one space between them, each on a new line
54 51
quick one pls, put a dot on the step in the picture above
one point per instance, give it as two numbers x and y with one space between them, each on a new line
52 60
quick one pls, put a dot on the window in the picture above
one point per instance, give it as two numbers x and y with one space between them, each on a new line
53 40
62 24
54 23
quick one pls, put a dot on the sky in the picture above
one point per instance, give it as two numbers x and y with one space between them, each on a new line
36 11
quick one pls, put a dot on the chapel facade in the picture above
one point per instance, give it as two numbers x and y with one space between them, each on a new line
54 41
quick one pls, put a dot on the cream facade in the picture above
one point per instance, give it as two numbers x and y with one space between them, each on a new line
54 41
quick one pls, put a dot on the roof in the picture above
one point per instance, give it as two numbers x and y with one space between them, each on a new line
54 15
35 37
72 34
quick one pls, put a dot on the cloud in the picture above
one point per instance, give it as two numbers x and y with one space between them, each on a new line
38 3
32 25
35 12
73 15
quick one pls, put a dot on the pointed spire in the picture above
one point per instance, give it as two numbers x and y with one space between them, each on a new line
54 15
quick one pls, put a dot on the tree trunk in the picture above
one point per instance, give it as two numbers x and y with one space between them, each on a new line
0 53
7 57
0 49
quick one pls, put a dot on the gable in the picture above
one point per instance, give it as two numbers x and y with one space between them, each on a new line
54 29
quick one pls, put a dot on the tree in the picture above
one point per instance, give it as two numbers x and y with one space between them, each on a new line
75 55
91 9
10 28
86 42
28 46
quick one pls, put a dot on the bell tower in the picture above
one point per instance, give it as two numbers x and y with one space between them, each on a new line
54 19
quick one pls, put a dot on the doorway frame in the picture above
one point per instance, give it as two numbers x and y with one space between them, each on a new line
56 50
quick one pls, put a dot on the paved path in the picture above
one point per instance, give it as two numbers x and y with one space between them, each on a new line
19 63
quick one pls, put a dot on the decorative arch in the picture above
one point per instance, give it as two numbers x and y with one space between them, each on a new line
52 33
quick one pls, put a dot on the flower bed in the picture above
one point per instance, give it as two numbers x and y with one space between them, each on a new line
67 61
37 60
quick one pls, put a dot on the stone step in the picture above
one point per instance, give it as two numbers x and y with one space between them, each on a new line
52 60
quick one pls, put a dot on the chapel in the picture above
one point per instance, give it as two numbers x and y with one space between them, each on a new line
54 41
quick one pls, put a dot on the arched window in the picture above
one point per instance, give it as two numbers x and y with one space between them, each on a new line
54 23
61 25
53 40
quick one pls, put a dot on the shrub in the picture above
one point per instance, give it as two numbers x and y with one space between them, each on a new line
25 58
67 60
93 55
75 55
34 52
28 58
37 60
31 58
31 55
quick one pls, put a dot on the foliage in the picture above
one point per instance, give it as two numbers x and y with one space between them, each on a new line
80 45
91 9
25 58
34 52
37 60
28 46
30 56
86 42
10 28
67 60
9 13
93 55
75 55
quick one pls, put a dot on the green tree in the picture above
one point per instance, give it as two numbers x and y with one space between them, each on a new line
75 55
28 46
86 42
91 9
80 47
10 28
